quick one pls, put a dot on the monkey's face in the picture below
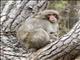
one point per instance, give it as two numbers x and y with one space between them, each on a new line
52 18
51 15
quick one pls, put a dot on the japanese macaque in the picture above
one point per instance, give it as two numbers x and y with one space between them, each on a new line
37 32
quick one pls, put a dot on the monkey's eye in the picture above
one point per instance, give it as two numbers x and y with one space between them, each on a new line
55 16
48 14
51 32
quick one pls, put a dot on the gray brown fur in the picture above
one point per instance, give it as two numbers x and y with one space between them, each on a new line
35 33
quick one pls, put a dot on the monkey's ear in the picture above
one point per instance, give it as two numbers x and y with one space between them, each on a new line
40 15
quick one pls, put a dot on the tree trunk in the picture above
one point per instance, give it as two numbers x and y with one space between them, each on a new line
12 15
15 12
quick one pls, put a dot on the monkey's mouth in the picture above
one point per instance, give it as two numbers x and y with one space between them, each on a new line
52 19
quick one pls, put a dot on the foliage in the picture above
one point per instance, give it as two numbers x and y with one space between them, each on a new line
57 5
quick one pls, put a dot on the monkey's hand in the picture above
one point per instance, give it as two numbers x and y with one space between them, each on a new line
53 37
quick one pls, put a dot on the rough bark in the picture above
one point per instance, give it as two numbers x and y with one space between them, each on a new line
14 12
12 15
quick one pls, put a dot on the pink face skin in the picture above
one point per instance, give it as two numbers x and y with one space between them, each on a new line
52 18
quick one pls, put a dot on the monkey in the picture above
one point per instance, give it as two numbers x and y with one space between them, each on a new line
37 32
36 38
